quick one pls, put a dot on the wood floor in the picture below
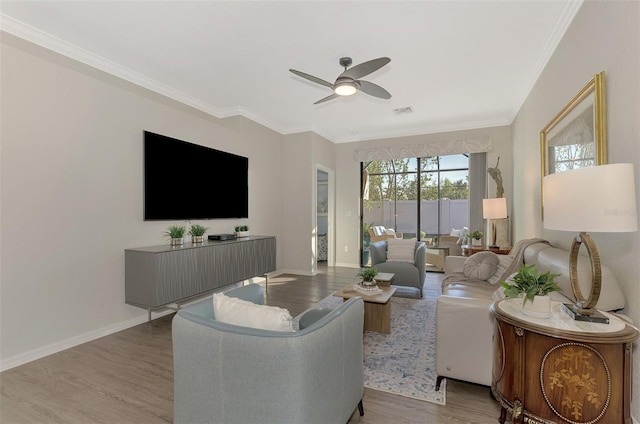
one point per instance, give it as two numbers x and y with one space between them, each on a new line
127 377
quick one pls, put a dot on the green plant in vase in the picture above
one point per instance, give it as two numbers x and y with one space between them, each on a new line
242 230
197 233
476 237
176 234
534 287
529 282
368 276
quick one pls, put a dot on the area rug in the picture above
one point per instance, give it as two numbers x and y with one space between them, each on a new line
403 362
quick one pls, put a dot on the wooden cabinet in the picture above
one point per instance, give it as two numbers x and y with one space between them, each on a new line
557 370
468 249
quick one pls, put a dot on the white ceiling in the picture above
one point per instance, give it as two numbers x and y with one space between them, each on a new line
457 64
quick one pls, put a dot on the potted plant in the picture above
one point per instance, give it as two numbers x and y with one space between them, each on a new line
176 234
242 231
368 276
476 237
197 233
534 287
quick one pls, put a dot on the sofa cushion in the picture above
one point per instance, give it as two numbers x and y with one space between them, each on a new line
481 265
378 230
466 290
240 312
399 250
505 262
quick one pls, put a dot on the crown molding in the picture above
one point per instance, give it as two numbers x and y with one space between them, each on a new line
57 45
555 36
430 129
47 41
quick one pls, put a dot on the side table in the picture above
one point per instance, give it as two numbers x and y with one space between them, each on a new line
377 308
468 249
557 370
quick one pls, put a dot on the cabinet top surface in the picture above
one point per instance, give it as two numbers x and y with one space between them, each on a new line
560 323
188 245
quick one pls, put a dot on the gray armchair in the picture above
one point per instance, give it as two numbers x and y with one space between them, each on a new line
229 374
406 274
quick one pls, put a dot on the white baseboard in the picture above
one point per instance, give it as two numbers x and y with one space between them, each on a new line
347 265
295 272
41 352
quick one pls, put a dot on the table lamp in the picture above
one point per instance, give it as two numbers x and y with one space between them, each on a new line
494 209
599 199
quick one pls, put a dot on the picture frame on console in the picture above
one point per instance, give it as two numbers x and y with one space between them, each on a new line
577 136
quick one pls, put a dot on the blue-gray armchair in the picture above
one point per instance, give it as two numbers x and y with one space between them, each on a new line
411 274
230 374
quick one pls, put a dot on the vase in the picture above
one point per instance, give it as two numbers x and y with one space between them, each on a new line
197 239
242 234
540 307
476 242
177 241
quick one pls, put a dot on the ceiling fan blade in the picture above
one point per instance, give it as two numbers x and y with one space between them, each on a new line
312 78
333 96
374 90
365 68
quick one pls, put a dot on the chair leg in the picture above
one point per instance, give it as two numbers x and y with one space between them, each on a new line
361 408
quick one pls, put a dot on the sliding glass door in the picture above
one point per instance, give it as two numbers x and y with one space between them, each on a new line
414 197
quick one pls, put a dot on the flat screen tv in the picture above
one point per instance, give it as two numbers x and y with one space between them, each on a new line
188 181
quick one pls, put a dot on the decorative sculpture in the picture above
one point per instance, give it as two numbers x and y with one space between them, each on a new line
497 177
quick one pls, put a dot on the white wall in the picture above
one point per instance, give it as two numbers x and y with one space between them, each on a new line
604 36
301 154
348 180
71 194
298 216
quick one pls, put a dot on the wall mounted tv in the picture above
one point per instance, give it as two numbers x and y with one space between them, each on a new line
187 181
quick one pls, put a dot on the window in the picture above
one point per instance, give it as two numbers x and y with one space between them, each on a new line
430 194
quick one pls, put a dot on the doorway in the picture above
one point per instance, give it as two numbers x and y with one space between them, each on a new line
324 213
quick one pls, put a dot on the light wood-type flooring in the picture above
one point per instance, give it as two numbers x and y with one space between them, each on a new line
127 377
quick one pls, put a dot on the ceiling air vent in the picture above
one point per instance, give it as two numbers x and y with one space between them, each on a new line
403 110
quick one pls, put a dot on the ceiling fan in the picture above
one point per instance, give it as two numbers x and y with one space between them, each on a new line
349 81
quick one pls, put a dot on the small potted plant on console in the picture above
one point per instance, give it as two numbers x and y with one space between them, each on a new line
476 237
242 231
534 287
176 234
197 233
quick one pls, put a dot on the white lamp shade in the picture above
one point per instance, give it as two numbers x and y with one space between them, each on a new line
595 199
494 208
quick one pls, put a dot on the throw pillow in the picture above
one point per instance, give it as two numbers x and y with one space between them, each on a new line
248 314
399 250
481 265
505 263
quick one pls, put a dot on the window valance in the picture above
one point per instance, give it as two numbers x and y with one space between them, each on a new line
448 147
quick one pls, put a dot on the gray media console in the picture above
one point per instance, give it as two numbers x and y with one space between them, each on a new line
157 276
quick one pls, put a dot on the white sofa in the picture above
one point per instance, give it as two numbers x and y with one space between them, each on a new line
464 325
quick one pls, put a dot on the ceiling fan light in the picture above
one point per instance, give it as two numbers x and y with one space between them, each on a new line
345 88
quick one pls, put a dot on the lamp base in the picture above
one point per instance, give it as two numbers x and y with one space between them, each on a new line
571 310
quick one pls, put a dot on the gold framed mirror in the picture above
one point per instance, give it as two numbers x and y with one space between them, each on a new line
577 136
